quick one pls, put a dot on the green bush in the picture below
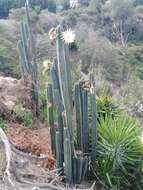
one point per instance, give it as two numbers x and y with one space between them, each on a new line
120 153
8 50
24 115
43 114
135 58
130 97
2 123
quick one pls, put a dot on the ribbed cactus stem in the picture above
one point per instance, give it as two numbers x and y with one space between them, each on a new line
59 149
68 71
66 133
51 116
94 122
76 163
81 114
27 52
68 161
29 28
63 78
78 116
85 130
22 60
35 89
56 88
25 49
61 134
80 165
26 28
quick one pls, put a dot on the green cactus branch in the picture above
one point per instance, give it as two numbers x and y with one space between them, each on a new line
28 65
73 158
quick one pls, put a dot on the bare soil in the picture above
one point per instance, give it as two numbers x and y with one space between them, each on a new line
33 141
29 143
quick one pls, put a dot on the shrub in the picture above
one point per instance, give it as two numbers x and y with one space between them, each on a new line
8 50
103 87
135 58
130 96
120 152
24 115
2 123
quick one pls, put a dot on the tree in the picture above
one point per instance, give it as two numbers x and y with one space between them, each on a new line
124 19
123 16
97 7
6 5
138 2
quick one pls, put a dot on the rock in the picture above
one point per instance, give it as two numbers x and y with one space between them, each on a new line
12 92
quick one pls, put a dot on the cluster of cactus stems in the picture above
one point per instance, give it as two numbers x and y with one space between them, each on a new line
27 55
72 157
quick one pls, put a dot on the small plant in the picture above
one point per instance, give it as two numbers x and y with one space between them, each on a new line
105 106
2 123
43 114
120 153
25 116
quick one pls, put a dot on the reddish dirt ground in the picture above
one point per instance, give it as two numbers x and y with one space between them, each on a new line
33 141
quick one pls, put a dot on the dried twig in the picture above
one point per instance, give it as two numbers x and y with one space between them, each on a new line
8 157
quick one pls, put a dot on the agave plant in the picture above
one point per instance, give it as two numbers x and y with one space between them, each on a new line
120 152
105 106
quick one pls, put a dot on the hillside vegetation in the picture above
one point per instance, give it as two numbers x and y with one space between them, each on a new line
109 42
109 35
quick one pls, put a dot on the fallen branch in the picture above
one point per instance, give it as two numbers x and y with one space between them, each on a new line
8 157
51 185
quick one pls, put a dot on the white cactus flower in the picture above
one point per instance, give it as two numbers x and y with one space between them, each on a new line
68 36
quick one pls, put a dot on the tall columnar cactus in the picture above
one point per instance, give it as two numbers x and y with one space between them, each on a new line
50 105
27 54
78 116
68 161
64 72
56 88
85 131
94 122
59 149
75 155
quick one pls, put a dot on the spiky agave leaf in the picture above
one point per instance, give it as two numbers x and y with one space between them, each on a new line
141 137
119 150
